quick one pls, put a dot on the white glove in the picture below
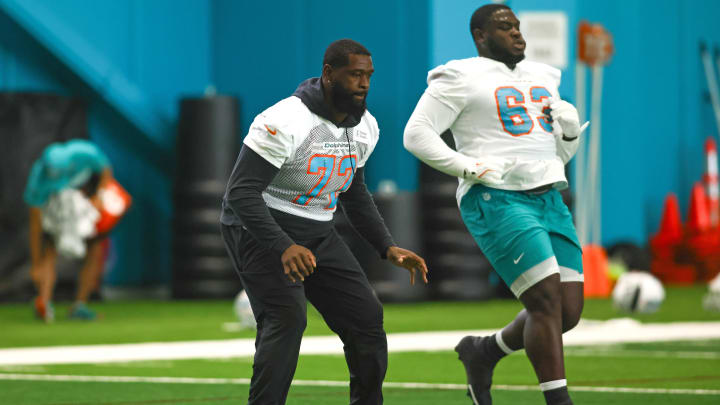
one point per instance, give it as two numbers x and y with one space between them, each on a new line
488 171
565 115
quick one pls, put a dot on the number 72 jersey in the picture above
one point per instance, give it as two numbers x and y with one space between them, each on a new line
317 160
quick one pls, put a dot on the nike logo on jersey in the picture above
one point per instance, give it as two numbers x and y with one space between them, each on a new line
516 261
272 130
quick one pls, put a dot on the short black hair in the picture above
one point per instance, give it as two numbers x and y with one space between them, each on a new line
338 53
481 16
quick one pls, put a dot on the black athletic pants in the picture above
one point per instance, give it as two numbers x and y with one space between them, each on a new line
341 293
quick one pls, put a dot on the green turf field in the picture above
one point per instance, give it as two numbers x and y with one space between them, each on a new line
169 321
648 373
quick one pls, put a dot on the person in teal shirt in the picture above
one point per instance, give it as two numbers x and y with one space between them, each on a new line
77 164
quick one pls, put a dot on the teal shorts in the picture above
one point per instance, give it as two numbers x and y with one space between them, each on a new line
526 237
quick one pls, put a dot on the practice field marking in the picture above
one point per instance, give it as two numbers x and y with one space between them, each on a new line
344 384
641 353
586 333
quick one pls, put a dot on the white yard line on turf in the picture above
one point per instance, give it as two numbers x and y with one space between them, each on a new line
609 352
325 383
587 333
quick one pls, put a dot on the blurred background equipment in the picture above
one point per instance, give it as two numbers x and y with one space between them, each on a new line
668 255
458 268
206 150
596 272
690 254
115 202
630 255
638 291
243 311
710 180
711 78
711 300
69 218
28 123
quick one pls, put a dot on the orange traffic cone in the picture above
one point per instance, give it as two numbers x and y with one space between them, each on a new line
595 268
698 216
665 245
670 232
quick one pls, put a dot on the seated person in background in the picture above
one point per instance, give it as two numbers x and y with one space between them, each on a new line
66 203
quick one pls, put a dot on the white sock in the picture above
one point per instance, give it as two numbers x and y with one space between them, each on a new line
551 385
501 343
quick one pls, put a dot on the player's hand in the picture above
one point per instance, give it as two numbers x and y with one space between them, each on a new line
565 115
488 171
409 260
298 262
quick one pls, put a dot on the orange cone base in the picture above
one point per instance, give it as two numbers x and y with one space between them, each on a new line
595 268
670 232
665 251
673 273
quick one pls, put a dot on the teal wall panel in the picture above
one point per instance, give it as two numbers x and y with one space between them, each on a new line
23 64
262 60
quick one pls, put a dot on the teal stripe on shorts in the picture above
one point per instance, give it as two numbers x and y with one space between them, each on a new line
525 237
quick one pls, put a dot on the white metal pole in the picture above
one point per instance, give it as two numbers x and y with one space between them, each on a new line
581 197
712 82
595 154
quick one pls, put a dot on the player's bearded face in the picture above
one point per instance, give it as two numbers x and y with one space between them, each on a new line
350 85
347 101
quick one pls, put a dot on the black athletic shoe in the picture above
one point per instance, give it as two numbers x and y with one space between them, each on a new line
479 368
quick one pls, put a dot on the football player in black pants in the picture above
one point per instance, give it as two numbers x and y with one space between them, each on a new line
302 157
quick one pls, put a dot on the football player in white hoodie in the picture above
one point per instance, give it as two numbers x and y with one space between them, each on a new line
514 136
